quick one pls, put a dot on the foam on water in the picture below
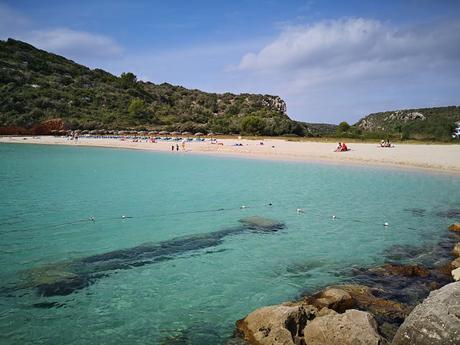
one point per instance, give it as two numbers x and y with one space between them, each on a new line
49 194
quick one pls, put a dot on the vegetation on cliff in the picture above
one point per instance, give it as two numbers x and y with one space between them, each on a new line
419 124
37 86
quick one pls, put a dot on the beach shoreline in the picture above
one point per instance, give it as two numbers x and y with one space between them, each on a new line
420 157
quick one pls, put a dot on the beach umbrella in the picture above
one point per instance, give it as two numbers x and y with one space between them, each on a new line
163 133
175 133
199 134
211 134
186 133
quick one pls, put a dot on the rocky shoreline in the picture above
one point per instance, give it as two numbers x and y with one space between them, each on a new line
397 304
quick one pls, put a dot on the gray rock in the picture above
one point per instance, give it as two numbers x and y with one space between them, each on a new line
434 322
353 327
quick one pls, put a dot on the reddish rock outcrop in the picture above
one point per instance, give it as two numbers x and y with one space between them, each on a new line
455 227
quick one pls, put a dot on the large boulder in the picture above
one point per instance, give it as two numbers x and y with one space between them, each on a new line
279 324
455 227
353 327
434 322
364 299
333 298
456 274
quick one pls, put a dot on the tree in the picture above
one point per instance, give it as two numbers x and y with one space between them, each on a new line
343 127
136 107
253 125
128 80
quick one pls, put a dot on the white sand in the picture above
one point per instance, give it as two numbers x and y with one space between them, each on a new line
424 156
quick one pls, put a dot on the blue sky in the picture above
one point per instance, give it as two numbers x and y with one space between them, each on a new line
330 60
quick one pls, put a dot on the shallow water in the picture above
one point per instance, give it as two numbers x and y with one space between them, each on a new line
193 297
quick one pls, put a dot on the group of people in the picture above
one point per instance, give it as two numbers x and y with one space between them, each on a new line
341 147
385 143
176 147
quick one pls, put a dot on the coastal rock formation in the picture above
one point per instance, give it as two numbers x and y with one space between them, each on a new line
434 322
279 324
455 264
275 102
333 298
389 314
455 227
364 299
353 327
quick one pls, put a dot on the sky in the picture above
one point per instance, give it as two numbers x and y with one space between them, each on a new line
331 61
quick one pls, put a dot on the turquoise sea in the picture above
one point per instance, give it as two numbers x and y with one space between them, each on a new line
193 296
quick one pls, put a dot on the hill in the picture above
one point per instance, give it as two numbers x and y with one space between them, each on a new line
420 124
41 91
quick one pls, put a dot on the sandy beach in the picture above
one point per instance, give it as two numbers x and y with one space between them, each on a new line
444 158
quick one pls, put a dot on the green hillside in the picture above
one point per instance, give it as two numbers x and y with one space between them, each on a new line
420 124
37 87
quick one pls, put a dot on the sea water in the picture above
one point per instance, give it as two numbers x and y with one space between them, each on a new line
49 194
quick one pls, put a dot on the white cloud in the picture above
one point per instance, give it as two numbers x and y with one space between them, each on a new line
74 43
82 46
356 64
342 42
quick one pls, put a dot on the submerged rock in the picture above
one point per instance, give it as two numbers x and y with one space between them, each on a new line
261 223
456 250
364 298
353 327
403 270
455 227
453 213
434 322
279 324
67 277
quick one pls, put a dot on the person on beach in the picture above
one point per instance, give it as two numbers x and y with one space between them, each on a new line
183 145
344 147
172 147
339 147
177 147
